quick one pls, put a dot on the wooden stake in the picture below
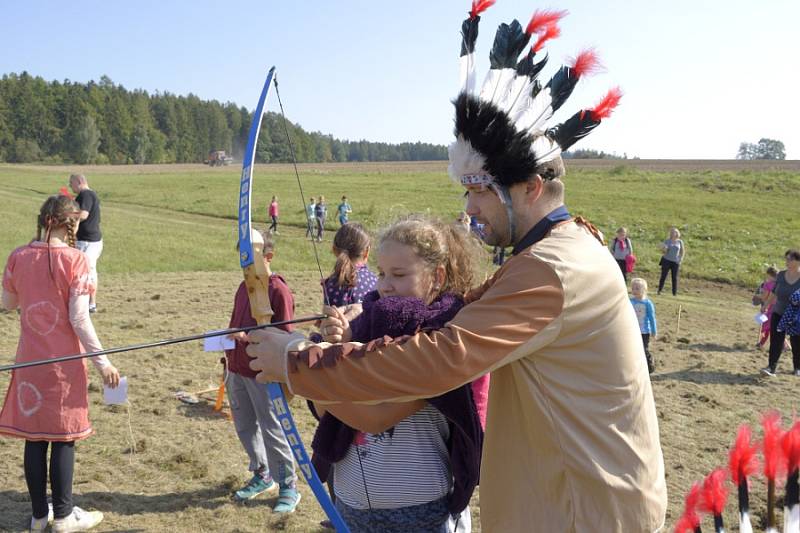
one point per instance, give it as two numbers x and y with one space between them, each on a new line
678 329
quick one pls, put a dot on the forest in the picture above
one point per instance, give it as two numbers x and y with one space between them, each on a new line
105 123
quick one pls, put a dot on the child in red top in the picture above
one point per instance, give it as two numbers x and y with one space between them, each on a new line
273 214
48 282
256 423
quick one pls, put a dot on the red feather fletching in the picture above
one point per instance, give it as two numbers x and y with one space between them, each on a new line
551 32
774 462
542 20
715 493
690 519
479 6
586 63
607 104
743 461
791 447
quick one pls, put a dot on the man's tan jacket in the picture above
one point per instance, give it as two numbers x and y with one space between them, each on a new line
572 439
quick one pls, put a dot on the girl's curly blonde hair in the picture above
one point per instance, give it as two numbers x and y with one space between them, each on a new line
438 243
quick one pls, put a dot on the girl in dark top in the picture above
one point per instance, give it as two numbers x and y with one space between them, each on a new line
351 279
787 282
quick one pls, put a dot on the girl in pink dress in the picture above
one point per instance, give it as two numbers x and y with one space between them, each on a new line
48 406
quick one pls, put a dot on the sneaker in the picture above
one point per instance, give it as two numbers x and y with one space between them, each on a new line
767 371
287 501
796 372
40 524
92 308
257 485
78 520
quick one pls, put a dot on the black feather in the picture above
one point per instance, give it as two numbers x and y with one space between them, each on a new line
536 89
527 67
490 132
561 86
574 129
509 41
469 34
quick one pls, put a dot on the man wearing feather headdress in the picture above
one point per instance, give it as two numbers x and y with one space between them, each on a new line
572 438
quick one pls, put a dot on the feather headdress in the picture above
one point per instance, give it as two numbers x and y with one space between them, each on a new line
502 132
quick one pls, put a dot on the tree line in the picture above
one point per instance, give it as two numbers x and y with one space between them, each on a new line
102 122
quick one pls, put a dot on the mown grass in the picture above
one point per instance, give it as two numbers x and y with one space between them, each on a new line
169 269
182 218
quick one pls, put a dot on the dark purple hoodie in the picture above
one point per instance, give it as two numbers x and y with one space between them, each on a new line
395 316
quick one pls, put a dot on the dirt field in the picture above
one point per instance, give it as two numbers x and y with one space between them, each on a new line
187 458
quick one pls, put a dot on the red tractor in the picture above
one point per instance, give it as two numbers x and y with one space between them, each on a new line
218 158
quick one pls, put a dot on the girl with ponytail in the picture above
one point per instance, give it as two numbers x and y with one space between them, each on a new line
48 282
351 279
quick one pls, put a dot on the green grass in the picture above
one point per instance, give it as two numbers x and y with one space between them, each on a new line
182 218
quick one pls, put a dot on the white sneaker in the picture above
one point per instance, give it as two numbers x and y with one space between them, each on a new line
40 524
79 520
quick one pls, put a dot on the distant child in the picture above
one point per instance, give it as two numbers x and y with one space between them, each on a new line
621 248
273 214
344 210
311 217
254 417
48 282
646 314
406 466
351 279
320 212
762 295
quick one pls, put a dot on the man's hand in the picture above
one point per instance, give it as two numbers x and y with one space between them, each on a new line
335 327
110 377
268 350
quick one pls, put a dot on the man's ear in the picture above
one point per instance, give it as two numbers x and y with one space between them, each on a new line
534 187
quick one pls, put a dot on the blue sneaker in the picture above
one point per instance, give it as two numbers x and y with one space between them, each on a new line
287 500
257 485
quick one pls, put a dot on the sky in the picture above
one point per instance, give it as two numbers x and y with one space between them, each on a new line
699 77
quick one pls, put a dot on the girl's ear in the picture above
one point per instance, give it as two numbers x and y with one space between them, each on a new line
439 277
366 253
268 257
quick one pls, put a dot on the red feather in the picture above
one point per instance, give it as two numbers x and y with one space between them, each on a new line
690 519
587 62
64 192
742 457
715 493
542 20
607 104
479 6
551 32
774 463
791 447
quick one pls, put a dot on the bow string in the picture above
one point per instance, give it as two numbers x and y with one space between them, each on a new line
257 282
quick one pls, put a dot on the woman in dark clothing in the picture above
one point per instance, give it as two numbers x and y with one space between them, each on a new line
673 250
788 282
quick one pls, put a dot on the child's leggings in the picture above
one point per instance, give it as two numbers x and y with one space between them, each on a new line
62 467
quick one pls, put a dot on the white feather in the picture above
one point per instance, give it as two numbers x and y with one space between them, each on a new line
464 160
489 83
535 115
545 149
744 523
514 93
466 73
791 519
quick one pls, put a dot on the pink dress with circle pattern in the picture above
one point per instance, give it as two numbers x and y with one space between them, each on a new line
48 402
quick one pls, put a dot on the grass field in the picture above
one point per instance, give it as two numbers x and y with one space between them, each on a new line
169 269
